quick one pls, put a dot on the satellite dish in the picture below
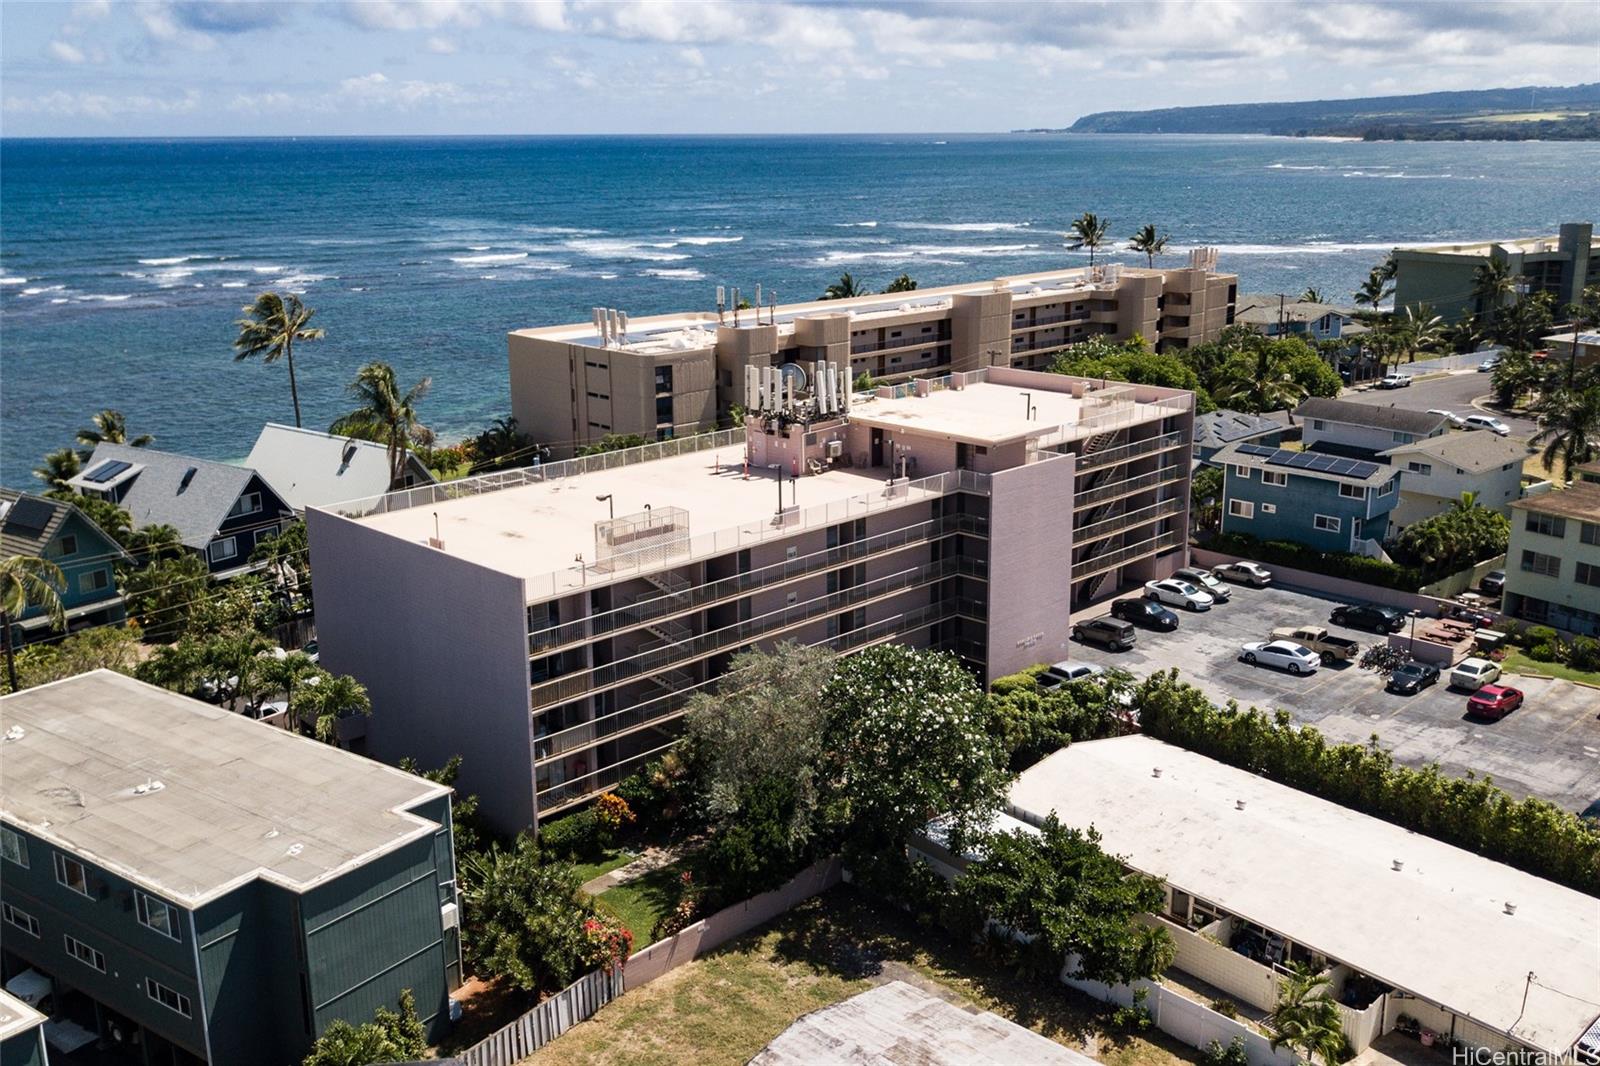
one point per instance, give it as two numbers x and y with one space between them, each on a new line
795 375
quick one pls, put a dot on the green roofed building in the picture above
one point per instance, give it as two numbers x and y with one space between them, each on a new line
208 889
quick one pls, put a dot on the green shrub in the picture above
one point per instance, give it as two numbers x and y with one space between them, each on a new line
1546 652
1584 654
1533 636
1225 1007
1214 1054
1331 564
577 836
1022 681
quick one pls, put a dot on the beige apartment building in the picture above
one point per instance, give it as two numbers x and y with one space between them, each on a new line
549 624
671 375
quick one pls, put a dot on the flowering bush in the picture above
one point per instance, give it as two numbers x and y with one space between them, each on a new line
613 812
683 913
607 942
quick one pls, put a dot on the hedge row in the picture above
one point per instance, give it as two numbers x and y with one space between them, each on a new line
1330 564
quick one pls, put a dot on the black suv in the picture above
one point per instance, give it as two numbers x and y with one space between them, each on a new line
1142 612
1108 632
1370 616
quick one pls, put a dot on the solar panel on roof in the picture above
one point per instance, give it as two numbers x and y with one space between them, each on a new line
106 471
28 517
1256 449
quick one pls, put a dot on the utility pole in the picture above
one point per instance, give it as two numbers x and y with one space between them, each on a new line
1281 299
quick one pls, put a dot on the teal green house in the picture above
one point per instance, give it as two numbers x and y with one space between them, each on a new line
197 887
87 556
1328 502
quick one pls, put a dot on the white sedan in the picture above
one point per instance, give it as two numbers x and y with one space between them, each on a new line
1176 593
1492 424
1449 416
1245 572
1284 654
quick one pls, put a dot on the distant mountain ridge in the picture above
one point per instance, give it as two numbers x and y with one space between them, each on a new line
1544 112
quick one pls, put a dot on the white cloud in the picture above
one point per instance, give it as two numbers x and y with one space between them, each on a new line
441 46
376 89
102 105
267 101
67 53
692 57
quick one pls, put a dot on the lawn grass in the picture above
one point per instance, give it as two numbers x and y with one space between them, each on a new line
588 871
726 1006
642 901
1517 662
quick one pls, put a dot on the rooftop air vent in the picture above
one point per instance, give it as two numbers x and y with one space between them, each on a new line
188 476
1238 805
1511 908
349 453
1398 865
1156 772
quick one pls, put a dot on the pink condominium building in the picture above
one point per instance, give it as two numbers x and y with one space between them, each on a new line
549 624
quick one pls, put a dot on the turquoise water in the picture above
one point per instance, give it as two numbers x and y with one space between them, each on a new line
124 263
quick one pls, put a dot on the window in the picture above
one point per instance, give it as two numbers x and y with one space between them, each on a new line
157 914
1387 487
1241 509
167 997
1546 565
1548 524
1403 438
1274 477
13 848
70 873
1353 492
1589 533
67 545
85 954
1588 574
1242 472
222 550
599 396
1420 468
1316 423
249 503
664 410
1355 529
21 919
1269 508
93 581
1325 522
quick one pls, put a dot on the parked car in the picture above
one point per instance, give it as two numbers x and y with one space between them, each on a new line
1057 674
1245 573
1179 593
1329 648
1493 583
1203 579
1488 365
1107 632
1489 422
1473 674
1494 701
1284 654
1369 616
1395 380
1460 612
1146 613
1449 416
1410 678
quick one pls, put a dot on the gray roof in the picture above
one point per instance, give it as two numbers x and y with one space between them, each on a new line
312 469
1375 416
1262 309
17 539
1472 451
1217 428
898 1023
239 799
158 495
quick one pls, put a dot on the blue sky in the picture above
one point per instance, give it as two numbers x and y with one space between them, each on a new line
197 67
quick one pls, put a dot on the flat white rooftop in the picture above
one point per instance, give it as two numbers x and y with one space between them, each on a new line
1321 875
989 414
535 531
238 800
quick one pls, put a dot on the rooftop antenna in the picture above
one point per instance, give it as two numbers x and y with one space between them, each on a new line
721 302
758 303
735 305
622 326
772 307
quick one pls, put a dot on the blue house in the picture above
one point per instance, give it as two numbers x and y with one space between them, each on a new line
59 532
220 511
1323 501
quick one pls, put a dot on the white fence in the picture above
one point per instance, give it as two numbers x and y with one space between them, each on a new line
548 1020
1193 1023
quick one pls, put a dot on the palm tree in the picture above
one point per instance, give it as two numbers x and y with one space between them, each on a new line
1492 284
1514 374
846 287
1466 501
59 467
1268 386
1147 242
155 542
109 427
1569 427
286 674
1089 231
386 416
1374 290
904 283
1312 295
269 329
325 698
1307 1018
28 581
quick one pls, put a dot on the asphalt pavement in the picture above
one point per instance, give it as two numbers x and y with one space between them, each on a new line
1462 392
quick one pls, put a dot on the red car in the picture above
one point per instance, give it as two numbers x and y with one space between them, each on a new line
1494 701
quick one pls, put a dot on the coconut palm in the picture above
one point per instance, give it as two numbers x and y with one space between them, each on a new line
59 467
1466 501
1514 375
1569 427
269 329
1312 295
1374 290
386 416
109 427
904 283
1307 1019
1267 386
1089 231
1492 285
28 581
846 287
324 698
1148 242
159 541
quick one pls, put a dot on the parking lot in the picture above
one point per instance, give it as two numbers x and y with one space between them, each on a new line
1549 747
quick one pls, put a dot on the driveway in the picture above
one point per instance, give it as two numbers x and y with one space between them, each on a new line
1456 391
1550 747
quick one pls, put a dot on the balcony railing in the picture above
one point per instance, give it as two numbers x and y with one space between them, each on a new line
1166 475
896 343
1117 523
572 686
1109 456
1111 560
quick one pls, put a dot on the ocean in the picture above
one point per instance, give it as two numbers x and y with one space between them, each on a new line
123 264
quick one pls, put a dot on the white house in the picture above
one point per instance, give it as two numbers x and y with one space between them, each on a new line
1363 430
312 469
1437 470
